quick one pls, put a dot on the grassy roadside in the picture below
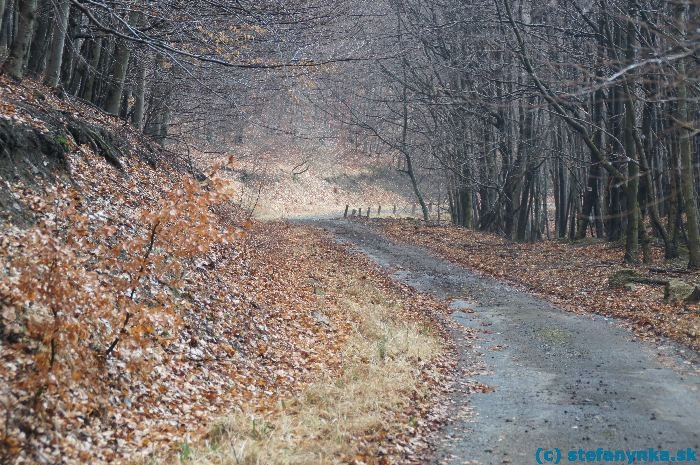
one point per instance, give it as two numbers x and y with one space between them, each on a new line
345 417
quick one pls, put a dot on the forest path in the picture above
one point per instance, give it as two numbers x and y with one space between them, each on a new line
561 380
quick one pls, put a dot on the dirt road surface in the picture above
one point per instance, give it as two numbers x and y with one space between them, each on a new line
561 381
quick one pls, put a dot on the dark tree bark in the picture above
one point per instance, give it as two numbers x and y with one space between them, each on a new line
42 34
6 24
95 52
685 145
71 48
120 65
632 191
139 95
14 64
3 3
60 28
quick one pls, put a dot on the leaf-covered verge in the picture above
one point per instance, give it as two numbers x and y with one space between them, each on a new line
572 275
367 411
139 307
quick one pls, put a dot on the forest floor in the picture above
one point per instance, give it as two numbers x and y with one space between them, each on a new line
144 318
546 378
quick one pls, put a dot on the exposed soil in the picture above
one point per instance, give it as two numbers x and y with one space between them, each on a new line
554 379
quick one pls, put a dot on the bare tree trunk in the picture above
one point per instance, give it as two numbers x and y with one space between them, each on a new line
88 88
71 50
560 188
80 70
409 163
6 33
675 196
120 65
404 135
527 140
464 194
3 3
58 40
592 201
686 152
42 34
647 186
14 65
139 95
632 192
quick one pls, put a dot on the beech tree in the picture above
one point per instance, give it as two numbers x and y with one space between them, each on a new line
57 44
14 65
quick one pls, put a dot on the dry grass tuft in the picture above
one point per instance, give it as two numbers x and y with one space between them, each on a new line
336 416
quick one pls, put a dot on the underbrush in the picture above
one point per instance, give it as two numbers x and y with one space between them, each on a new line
91 303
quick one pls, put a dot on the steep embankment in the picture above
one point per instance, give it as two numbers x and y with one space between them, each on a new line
140 307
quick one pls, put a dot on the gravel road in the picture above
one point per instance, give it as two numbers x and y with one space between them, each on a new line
560 380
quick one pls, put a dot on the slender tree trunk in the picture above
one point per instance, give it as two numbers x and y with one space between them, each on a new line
409 163
591 199
647 186
404 135
675 197
163 126
511 165
80 70
562 187
573 211
58 40
685 146
632 240
632 191
615 193
120 65
616 220
526 194
3 4
466 197
485 173
124 105
88 88
14 64
71 50
139 96
7 25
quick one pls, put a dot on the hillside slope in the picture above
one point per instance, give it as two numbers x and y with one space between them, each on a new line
284 179
140 306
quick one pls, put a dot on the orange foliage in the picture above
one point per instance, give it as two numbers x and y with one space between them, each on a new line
79 290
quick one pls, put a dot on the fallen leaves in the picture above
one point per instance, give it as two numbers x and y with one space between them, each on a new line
209 312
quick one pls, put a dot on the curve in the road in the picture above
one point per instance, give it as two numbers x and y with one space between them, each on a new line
560 380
